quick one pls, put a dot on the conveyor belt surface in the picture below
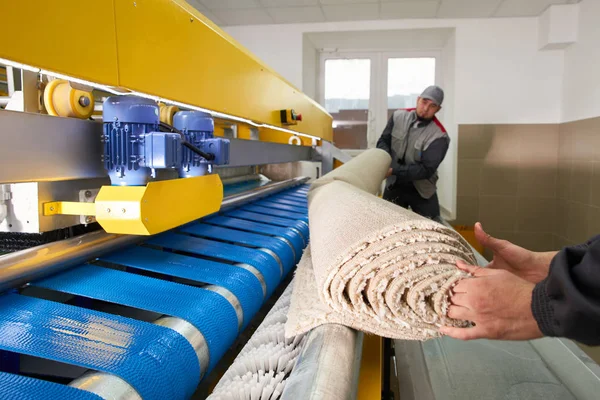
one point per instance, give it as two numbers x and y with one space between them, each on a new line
208 311
236 259
284 207
294 238
280 249
292 197
278 213
158 362
300 226
263 262
242 283
25 388
283 200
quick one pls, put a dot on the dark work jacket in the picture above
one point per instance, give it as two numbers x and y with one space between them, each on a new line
417 148
567 302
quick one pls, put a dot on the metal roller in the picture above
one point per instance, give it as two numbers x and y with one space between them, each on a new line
112 387
61 99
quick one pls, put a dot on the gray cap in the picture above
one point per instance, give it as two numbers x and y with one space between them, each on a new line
433 93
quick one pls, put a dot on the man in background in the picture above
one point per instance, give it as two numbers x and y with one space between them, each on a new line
418 143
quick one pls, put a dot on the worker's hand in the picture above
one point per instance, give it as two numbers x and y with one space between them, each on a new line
497 302
529 265
389 173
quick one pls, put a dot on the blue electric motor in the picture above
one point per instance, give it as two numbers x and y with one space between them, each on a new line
133 145
198 129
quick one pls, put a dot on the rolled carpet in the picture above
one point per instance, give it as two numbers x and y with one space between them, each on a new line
372 265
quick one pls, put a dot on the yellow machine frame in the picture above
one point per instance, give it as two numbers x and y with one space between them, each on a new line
164 48
371 369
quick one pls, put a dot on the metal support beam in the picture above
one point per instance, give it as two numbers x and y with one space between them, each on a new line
22 90
253 152
29 86
50 159
37 147
11 74
371 369
328 153
69 208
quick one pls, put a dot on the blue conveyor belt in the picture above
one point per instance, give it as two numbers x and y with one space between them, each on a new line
289 201
300 226
276 213
292 196
293 237
263 262
242 283
208 311
283 251
158 362
282 200
280 206
25 388
266 238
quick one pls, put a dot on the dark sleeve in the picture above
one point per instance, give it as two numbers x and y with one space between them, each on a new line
385 141
567 302
430 161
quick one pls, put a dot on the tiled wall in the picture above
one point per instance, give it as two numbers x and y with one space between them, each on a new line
535 185
578 194
508 180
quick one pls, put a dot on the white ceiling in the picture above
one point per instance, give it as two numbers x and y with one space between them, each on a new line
256 12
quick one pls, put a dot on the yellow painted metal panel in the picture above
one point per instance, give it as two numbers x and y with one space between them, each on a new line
337 163
72 37
166 48
69 208
244 132
272 135
159 206
370 378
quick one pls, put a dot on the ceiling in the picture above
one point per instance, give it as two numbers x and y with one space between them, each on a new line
257 12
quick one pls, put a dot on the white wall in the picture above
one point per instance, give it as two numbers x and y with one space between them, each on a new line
309 69
501 77
581 93
493 72
448 169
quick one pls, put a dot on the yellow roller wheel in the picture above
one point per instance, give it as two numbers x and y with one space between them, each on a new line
62 100
167 113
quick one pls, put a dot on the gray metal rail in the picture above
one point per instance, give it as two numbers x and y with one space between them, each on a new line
328 367
50 159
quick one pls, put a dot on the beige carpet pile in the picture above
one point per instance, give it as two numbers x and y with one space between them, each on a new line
372 265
